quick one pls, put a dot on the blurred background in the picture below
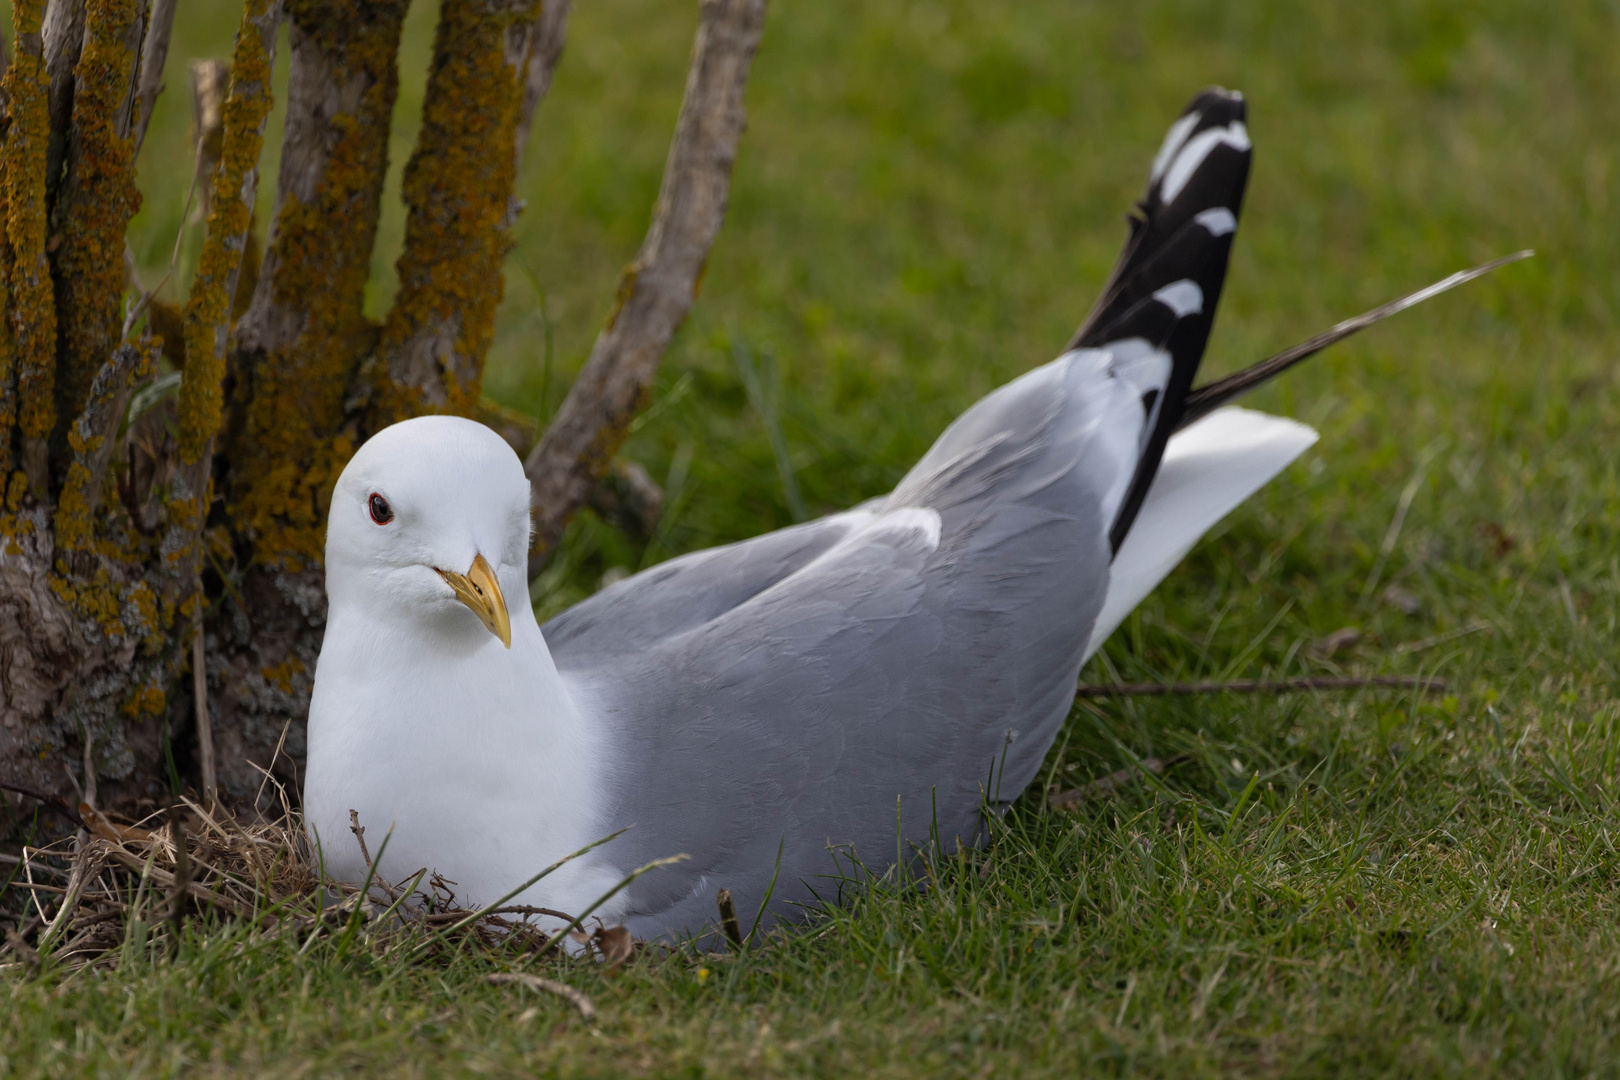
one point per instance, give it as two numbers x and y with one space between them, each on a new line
931 192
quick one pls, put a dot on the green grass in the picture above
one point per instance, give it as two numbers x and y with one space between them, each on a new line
928 197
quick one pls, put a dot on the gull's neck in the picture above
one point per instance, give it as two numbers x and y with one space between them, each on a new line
477 755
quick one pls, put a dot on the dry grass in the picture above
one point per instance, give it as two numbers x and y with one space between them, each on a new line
115 890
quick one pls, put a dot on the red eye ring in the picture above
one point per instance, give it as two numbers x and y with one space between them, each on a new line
381 512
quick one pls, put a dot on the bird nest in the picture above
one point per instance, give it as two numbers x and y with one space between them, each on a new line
115 891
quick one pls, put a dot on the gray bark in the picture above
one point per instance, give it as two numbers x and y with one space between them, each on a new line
154 55
63 34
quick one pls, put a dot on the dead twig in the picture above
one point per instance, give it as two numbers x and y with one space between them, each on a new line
1440 639
49 801
513 909
163 879
1263 686
99 824
14 860
182 877
359 831
546 986
659 287
91 791
728 918
205 726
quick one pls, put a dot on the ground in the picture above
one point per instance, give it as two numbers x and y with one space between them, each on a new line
927 199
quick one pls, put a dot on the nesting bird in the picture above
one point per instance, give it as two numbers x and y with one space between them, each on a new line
781 694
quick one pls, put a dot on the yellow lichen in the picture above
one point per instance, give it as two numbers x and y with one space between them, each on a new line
33 309
458 187
96 599
98 199
8 351
74 527
75 521
145 701
207 317
144 600
15 491
281 675
288 448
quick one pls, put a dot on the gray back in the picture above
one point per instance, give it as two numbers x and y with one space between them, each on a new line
790 689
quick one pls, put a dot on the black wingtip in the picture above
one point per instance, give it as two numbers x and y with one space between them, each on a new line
1214 115
1181 238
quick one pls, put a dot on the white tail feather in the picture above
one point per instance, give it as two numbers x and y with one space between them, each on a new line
1209 468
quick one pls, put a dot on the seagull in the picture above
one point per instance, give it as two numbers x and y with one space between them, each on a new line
831 695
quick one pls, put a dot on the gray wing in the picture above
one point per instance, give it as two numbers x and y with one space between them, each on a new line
924 649
632 615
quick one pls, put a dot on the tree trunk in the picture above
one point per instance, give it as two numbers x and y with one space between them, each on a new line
131 523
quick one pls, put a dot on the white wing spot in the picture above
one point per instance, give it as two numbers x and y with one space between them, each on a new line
1182 297
1197 149
1218 221
919 519
1172 142
1139 364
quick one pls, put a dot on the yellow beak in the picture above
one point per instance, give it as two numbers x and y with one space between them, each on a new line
479 590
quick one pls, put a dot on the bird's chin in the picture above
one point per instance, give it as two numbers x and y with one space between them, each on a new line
455 631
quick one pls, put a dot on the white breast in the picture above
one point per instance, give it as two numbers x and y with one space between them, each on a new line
480 763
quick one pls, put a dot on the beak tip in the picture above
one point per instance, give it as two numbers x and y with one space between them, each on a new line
480 590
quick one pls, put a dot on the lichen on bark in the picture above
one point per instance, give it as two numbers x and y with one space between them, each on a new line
8 345
458 187
234 186
97 200
33 309
305 334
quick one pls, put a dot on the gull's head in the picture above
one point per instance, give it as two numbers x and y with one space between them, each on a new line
429 519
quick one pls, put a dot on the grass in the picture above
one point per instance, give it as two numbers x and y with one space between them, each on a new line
928 197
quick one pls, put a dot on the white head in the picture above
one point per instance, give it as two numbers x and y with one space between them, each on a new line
427 520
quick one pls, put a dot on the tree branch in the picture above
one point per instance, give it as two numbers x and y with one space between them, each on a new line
302 339
154 55
98 198
206 326
458 187
234 187
210 81
8 344
657 290
33 307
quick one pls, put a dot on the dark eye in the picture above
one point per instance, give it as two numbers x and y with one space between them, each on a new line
381 512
